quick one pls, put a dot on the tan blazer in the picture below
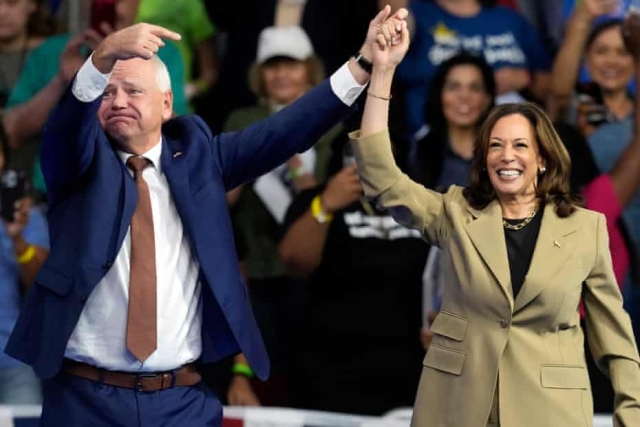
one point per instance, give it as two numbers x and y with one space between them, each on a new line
531 348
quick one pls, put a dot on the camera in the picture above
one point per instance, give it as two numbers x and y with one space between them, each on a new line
13 187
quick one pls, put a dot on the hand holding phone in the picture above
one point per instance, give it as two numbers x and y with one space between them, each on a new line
591 103
13 187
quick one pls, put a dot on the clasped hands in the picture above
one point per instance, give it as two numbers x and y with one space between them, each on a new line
387 38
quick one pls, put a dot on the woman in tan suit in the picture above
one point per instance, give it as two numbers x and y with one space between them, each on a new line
519 255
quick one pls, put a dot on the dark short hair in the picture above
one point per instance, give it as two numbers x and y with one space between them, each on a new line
434 115
600 28
41 22
553 185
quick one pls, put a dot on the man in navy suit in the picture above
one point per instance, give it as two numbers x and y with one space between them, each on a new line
142 280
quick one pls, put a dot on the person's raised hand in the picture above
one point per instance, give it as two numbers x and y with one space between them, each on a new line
595 8
20 217
390 39
137 41
72 56
390 27
342 189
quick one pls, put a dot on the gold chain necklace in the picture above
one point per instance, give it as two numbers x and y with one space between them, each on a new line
523 223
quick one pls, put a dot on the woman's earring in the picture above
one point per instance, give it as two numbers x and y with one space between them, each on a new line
542 170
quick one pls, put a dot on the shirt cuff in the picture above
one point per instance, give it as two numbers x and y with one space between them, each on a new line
89 83
345 86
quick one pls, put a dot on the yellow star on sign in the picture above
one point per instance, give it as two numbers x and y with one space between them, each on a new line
441 32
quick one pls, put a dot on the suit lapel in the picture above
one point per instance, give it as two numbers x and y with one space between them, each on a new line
487 235
174 168
551 251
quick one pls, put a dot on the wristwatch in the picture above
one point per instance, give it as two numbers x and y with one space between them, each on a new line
363 62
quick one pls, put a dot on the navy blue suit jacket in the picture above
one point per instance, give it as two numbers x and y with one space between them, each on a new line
92 198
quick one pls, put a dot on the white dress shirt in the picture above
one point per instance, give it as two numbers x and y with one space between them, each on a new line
99 337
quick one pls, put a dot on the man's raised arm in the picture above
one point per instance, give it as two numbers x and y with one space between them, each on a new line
72 128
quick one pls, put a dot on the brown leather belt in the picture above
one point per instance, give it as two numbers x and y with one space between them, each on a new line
145 381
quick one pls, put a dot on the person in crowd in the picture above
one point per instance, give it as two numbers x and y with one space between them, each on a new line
285 69
609 124
606 114
363 276
334 27
461 94
143 279
49 70
519 257
442 28
24 245
24 26
608 62
197 47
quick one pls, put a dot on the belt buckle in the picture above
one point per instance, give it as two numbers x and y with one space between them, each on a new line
141 377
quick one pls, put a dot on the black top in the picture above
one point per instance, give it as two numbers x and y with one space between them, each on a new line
520 246
358 343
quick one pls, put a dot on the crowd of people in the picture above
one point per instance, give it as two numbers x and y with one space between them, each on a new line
346 293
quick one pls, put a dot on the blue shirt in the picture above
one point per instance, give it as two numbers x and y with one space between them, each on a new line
500 34
607 144
455 170
35 233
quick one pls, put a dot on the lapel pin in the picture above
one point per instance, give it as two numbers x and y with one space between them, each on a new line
555 242
177 154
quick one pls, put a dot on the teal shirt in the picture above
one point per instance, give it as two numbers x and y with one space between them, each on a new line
42 66
43 63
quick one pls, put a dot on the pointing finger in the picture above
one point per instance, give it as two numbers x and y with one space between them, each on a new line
164 33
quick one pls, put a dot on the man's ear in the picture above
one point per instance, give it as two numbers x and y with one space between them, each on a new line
167 106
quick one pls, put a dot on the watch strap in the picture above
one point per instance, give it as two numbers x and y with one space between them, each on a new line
363 62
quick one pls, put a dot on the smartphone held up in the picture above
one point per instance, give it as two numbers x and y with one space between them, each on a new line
13 187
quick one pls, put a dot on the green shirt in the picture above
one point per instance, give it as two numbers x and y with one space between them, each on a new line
186 17
43 63
42 66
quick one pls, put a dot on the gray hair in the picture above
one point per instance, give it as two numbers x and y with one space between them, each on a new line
163 80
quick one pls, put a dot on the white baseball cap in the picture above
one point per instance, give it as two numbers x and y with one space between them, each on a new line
291 41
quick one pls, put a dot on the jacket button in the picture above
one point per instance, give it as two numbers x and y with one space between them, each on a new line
504 324
83 299
107 265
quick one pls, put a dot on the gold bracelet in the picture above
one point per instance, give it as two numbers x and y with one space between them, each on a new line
378 96
27 255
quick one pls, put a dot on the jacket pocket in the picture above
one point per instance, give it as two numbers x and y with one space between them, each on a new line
54 281
450 325
444 359
564 376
